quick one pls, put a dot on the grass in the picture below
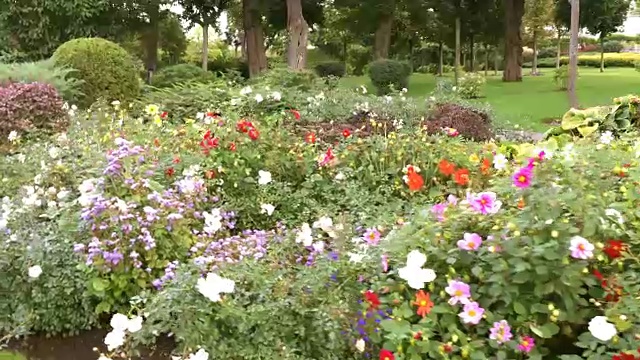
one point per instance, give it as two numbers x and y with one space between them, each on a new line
6 355
535 100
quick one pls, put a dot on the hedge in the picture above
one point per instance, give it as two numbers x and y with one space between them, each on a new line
610 60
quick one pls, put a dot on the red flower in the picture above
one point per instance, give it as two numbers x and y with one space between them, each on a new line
446 168
310 138
156 142
625 356
372 299
244 126
232 146
254 134
461 177
346 133
485 168
164 114
296 114
176 160
614 248
210 174
169 172
447 348
415 180
418 335
208 142
386 355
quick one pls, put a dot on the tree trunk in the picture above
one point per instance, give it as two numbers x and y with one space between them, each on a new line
486 60
534 64
559 54
345 52
254 37
496 64
298 35
456 63
601 53
573 53
441 59
383 37
151 36
514 11
205 45
472 66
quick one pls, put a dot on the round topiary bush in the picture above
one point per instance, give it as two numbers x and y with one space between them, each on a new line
331 68
387 74
106 69
181 73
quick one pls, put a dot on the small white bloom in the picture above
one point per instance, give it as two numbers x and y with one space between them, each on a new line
115 103
360 344
318 246
213 285
135 324
276 95
22 158
601 329
355 258
37 179
200 355
500 161
114 339
13 136
305 235
339 176
54 152
615 214
35 271
413 272
264 177
200 116
119 322
404 90
606 137
267 209
363 89
246 90
235 101
259 98
3 223
388 99
62 194
212 221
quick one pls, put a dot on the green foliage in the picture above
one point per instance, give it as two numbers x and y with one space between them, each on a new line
106 69
358 57
613 46
331 68
180 73
471 85
287 79
43 72
173 40
387 75
561 77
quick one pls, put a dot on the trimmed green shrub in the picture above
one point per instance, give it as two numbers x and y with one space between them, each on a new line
180 73
43 72
331 68
358 57
106 69
546 53
613 46
285 78
561 77
610 60
388 74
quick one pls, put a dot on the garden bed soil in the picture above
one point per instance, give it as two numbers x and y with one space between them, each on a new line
79 347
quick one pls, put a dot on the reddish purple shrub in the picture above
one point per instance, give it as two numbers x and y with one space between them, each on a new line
33 105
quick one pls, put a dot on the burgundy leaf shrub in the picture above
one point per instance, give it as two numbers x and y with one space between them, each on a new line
30 105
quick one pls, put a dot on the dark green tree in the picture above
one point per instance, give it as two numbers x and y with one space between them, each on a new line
204 13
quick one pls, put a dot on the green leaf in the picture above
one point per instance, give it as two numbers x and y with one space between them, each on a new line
103 307
519 308
549 330
99 285
536 330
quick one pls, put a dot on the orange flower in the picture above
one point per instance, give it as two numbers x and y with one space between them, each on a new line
423 302
415 181
485 168
310 138
521 204
446 168
461 177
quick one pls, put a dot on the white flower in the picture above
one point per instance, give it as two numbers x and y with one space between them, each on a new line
259 98
318 246
212 221
3 223
404 90
87 186
355 258
213 285
114 339
615 214
601 329
606 137
235 101
246 90
135 324
500 161
267 209
22 158
276 95
35 271
119 322
388 99
200 116
339 176
62 194
326 224
363 88
200 355
13 136
360 345
305 235
264 177
413 272
115 103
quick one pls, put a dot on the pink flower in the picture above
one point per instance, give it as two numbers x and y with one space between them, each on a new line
384 261
372 236
522 177
501 332
526 344
581 248
471 313
485 203
459 292
470 242
438 210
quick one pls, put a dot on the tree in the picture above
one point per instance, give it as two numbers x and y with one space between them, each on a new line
538 14
514 11
204 13
173 40
573 53
254 37
604 17
298 35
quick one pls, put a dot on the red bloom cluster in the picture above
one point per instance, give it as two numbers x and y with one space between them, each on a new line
414 180
613 291
247 127
386 355
372 299
614 248
460 176
626 356
209 142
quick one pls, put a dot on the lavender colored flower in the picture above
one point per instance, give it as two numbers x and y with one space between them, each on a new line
501 332
372 236
485 203
459 291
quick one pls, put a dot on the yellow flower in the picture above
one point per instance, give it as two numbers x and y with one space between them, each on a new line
152 109
157 120
474 159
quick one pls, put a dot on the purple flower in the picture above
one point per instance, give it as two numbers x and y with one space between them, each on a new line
522 178
485 203
460 292
438 210
470 242
501 332
471 313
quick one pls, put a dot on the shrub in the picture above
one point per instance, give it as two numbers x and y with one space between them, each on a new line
43 72
561 77
358 57
471 85
105 68
613 46
180 73
331 68
546 53
636 65
285 78
610 60
433 69
23 106
388 74
470 123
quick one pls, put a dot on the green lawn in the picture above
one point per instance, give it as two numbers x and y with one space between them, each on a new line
535 99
